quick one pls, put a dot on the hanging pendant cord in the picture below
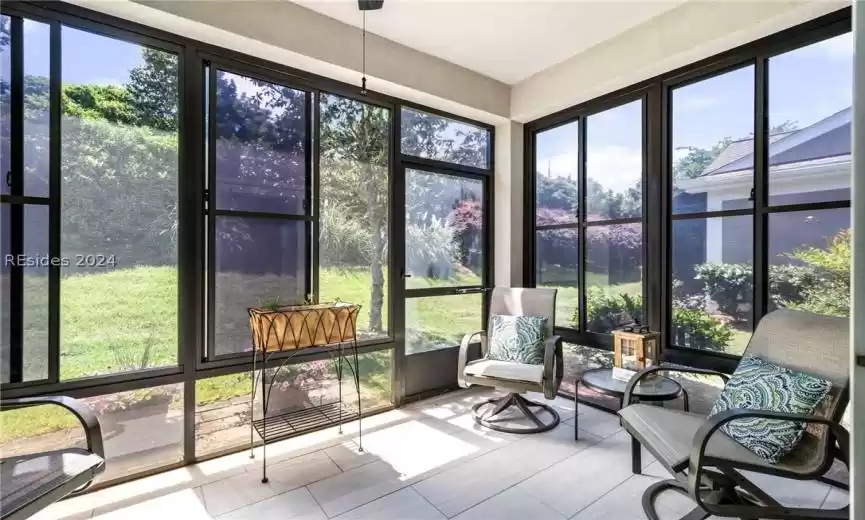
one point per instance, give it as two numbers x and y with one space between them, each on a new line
363 69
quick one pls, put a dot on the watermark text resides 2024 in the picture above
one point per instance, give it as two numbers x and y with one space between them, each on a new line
25 260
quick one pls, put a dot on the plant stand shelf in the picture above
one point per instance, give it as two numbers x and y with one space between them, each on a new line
278 335
297 422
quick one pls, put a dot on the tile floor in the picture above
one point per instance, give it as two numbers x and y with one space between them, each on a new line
425 461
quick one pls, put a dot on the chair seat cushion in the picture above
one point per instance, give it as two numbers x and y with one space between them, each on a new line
759 385
669 435
505 371
517 338
29 478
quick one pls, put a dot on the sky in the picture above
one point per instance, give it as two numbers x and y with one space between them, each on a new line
805 86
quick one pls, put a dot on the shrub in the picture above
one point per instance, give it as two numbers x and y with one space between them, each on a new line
830 292
696 328
466 220
343 241
606 311
818 282
788 284
730 286
614 250
692 325
431 249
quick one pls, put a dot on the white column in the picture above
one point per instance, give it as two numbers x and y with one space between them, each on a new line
857 466
508 211
714 229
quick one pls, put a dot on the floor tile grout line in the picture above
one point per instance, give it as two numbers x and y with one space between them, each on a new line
306 487
389 493
526 478
615 487
280 492
601 440
428 501
335 463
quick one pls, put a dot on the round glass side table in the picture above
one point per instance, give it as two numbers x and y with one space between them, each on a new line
654 390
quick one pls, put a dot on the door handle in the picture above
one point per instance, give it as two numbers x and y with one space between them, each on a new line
404 274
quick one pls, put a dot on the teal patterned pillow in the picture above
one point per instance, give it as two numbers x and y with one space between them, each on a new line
519 339
760 385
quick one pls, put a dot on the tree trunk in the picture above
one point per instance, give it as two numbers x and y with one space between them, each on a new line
376 254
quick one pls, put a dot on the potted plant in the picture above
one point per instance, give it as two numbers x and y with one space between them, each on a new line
278 326
114 410
294 385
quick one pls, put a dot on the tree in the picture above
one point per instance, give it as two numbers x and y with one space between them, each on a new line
152 88
354 171
695 162
556 193
435 137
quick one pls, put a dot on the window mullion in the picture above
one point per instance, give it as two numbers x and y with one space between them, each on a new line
761 188
55 108
582 219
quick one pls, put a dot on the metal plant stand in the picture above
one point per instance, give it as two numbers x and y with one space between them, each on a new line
312 331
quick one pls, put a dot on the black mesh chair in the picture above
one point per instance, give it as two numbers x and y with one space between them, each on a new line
707 464
34 481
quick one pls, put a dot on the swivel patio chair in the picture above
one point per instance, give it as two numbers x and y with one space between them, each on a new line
707 464
515 378
34 481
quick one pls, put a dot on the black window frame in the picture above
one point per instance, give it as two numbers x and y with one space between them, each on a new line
581 114
214 64
657 192
192 363
403 162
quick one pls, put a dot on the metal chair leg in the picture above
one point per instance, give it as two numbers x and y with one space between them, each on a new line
652 492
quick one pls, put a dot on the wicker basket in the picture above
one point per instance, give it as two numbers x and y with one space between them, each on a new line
302 326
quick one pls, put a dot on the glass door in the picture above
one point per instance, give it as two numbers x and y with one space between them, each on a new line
444 269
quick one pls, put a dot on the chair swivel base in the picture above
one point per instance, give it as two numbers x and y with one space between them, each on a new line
652 492
488 418
741 503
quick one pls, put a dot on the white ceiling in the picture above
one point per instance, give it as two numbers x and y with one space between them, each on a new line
508 40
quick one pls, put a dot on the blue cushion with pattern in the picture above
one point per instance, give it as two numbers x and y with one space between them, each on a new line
759 385
519 339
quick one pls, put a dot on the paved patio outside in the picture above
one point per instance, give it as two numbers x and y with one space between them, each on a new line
424 461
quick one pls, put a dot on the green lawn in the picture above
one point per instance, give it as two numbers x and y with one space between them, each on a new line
126 320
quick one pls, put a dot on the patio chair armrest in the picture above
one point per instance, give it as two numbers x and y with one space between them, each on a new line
464 354
629 389
88 419
715 422
554 367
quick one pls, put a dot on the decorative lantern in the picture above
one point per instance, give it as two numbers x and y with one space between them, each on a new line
634 348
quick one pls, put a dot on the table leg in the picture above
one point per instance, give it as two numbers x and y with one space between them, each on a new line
636 456
576 409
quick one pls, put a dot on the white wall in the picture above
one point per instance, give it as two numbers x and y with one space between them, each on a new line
508 195
688 33
858 317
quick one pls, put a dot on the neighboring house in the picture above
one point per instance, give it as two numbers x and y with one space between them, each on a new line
811 164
